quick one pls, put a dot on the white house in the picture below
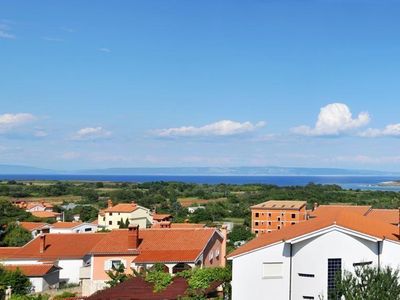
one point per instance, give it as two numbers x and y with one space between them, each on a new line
113 215
301 261
42 276
73 227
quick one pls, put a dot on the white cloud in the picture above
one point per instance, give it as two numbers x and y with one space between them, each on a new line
334 119
220 128
91 133
392 130
10 121
107 50
5 31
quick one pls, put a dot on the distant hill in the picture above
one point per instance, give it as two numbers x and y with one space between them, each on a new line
234 171
16 170
198 171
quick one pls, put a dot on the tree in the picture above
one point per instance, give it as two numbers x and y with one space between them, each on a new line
19 283
368 283
117 275
16 236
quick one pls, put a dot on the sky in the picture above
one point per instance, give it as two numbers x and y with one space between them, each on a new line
99 84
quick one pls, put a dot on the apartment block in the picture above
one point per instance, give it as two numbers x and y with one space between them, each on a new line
276 214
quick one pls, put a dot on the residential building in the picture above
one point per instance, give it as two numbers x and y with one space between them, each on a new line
34 206
35 228
277 214
301 261
73 227
85 258
111 217
192 209
42 276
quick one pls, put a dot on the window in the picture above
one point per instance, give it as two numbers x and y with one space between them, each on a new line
217 253
256 231
113 264
293 223
361 264
211 256
109 222
308 297
269 215
279 219
306 275
257 215
279 227
269 223
282 213
334 269
293 216
272 270
104 218
256 223
110 214
88 229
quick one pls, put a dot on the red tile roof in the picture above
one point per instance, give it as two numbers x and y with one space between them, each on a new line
164 245
35 270
122 207
187 225
390 216
155 245
30 226
70 245
161 217
45 214
322 210
63 225
281 205
350 220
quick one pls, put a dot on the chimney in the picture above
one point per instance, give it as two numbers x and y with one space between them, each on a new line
109 203
42 242
315 206
133 236
224 231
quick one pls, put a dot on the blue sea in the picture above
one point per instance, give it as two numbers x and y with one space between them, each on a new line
346 182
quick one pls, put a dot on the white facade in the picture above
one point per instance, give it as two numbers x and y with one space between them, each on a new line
79 228
298 268
140 216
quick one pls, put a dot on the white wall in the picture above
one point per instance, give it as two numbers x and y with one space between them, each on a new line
311 257
37 284
247 279
390 254
70 269
78 229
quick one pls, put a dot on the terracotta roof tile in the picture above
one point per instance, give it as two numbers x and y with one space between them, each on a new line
30 226
350 220
187 225
70 245
280 204
45 214
322 210
36 270
390 216
160 217
61 225
122 207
